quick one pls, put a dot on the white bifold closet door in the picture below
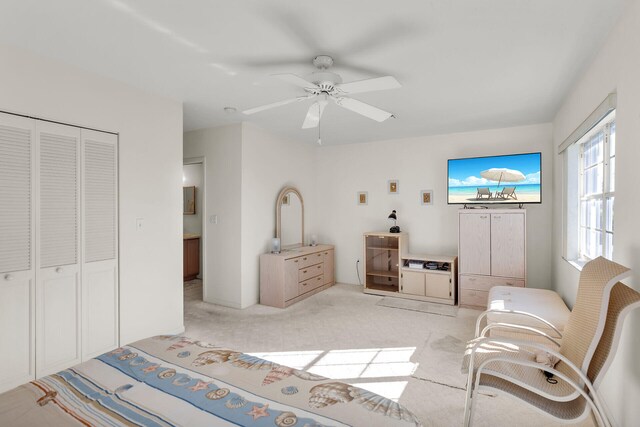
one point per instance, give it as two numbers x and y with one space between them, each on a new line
58 292
17 243
99 243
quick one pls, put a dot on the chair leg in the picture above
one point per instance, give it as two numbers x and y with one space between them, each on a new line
468 403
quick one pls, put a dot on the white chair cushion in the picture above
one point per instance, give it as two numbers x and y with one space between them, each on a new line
541 302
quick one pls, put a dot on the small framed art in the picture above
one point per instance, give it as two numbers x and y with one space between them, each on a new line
363 198
426 197
394 186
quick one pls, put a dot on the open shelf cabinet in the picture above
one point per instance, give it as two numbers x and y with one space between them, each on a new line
382 261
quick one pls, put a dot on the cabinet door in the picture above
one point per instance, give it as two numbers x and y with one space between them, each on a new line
17 240
413 283
58 274
291 272
191 258
507 245
329 272
475 243
438 285
99 243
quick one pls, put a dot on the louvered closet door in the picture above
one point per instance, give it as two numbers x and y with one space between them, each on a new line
58 254
99 243
17 267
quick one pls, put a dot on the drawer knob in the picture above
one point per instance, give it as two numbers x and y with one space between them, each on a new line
304 271
319 278
59 270
304 259
8 277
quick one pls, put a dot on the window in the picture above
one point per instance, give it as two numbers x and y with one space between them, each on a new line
596 186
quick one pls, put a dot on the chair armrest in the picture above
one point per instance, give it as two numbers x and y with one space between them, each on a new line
520 313
518 327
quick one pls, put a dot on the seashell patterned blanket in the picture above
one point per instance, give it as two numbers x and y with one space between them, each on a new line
177 381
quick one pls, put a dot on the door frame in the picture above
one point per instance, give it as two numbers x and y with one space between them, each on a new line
203 239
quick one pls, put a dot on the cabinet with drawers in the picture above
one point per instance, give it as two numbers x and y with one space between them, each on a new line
492 252
293 275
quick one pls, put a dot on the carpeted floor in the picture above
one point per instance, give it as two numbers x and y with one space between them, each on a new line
410 356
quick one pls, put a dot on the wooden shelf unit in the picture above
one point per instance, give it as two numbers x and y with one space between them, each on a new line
386 256
382 261
430 285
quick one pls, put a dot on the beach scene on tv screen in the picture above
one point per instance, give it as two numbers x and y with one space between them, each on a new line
499 179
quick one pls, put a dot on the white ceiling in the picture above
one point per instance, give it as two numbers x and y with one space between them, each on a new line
464 65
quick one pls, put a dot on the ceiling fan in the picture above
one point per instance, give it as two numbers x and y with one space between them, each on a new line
325 86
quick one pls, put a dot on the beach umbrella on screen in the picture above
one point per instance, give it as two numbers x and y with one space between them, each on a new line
502 175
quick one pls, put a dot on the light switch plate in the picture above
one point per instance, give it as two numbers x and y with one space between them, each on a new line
213 219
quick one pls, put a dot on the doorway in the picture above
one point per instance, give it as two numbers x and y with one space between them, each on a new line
193 224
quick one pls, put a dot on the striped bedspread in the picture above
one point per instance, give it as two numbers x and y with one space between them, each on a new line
177 381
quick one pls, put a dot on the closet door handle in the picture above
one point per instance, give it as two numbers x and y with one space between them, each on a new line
8 277
59 270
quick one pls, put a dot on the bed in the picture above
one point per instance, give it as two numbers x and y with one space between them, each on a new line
175 380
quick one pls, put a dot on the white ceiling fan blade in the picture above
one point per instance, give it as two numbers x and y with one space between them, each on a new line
365 109
296 80
314 114
369 85
276 104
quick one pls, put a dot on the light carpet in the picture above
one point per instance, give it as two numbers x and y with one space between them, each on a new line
410 356
422 306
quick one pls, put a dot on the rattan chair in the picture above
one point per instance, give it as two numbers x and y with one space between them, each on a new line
585 352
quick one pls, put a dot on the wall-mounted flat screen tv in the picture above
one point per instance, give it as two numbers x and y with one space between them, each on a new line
513 178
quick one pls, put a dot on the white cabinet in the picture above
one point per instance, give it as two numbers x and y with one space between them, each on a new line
431 278
58 251
492 251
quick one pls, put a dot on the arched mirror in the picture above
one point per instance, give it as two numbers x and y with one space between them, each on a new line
290 218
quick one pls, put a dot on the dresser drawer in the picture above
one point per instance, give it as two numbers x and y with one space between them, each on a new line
309 272
474 297
311 284
484 283
308 260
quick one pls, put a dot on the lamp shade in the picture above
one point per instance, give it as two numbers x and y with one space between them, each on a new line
393 215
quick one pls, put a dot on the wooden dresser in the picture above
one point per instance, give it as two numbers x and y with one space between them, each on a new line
294 275
190 256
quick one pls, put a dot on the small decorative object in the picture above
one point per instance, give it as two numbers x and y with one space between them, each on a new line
285 199
314 240
394 217
394 186
426 197
363 198
275 245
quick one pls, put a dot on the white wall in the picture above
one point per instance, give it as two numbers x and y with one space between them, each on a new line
150 161
270 163
421 164
615 68
221 149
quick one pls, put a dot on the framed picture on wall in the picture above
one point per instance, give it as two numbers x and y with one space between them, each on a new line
426 197
363 198
394 186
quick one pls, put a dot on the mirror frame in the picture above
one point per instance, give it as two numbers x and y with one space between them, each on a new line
284 192
194 200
